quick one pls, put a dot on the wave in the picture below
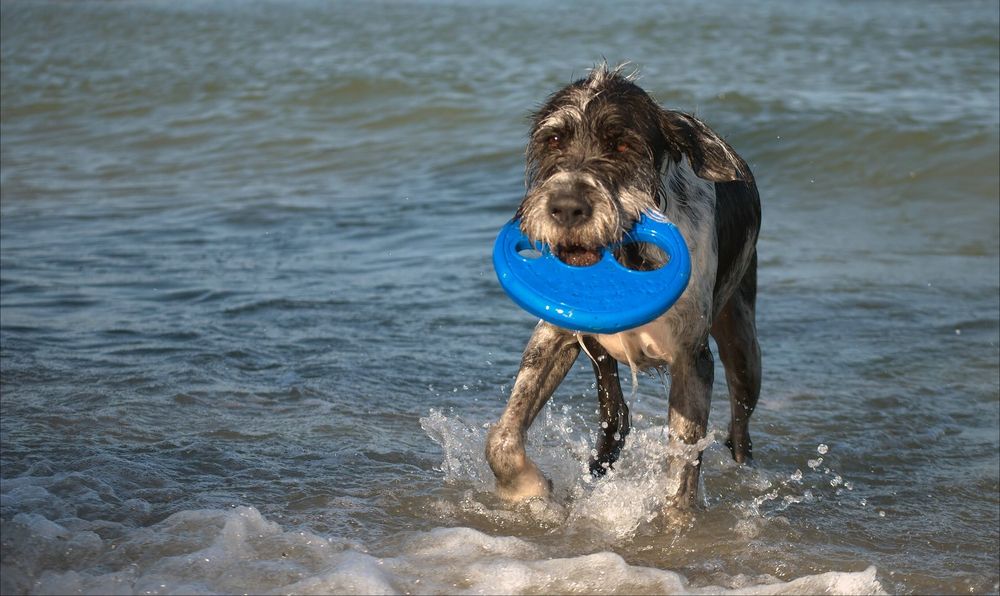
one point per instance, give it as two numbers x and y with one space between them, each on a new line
238 550
75 533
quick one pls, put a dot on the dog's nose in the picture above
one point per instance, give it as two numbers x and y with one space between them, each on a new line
569 209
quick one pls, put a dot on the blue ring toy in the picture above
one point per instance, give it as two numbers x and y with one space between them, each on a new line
602 298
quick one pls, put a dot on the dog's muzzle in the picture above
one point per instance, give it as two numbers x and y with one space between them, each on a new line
570 210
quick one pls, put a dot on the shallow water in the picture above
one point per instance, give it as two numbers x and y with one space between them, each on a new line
251 338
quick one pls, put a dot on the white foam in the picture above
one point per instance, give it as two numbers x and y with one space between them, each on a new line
239 551
48 548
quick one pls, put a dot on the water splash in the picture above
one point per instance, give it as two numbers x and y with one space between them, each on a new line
631 494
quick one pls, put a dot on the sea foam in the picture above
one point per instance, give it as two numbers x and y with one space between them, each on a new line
239 551
59 540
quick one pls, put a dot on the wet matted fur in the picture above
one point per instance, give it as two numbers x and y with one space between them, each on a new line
600 153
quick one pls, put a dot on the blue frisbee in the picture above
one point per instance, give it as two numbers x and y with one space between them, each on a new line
605 297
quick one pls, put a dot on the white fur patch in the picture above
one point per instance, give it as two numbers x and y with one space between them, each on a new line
657 342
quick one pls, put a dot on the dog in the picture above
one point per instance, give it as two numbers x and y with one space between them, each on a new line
600 153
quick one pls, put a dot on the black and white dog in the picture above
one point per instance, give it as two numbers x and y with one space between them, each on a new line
601 152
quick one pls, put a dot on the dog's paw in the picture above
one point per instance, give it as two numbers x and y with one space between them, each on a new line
529 483
741 451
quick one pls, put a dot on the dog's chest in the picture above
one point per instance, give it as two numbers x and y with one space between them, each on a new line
686 323
648 346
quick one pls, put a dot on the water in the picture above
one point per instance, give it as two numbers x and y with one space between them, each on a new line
251 338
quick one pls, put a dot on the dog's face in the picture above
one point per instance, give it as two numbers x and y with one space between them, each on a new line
594 159
592 166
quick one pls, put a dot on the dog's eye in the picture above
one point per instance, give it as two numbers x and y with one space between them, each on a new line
618 146
554 142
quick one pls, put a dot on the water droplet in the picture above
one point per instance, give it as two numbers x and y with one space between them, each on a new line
814 463
796 475
822 448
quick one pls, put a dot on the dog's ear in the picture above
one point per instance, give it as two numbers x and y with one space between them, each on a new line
711 158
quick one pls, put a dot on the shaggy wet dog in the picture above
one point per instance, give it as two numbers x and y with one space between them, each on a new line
601 152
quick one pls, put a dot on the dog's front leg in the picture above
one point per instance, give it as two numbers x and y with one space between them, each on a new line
614 417
691 376
547 358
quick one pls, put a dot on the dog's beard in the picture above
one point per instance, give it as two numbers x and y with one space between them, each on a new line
581 246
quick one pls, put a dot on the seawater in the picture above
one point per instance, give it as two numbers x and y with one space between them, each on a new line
251 341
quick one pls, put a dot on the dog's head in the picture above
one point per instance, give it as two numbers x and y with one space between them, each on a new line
595 156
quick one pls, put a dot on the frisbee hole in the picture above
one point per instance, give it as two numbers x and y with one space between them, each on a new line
642 256
528 251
